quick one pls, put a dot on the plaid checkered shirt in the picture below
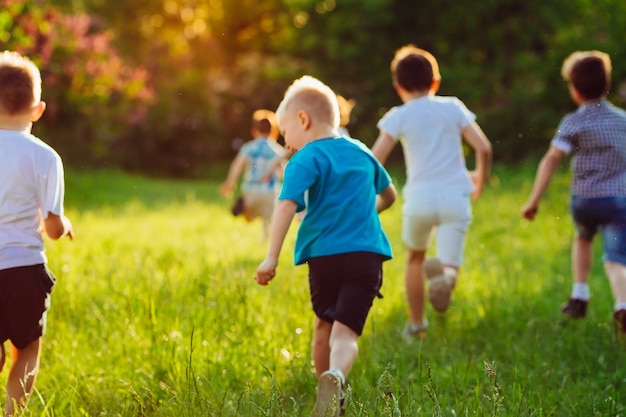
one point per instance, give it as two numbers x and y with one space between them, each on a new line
595 136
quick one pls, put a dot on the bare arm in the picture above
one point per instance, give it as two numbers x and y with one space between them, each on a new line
234 172
386 198
476 138
58 226
547 167
383 146
281 220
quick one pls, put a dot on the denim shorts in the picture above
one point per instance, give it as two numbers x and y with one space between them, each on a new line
343 287
607 215
24 301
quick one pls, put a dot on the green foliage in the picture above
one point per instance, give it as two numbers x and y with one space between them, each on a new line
177 80
155 313
93 96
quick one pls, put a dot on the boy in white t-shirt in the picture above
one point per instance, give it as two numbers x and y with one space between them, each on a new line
31 202
438 184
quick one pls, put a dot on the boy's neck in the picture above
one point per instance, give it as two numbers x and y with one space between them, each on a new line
17 123
407 96
323 133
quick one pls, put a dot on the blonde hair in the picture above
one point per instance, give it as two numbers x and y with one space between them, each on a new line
20 83
345 109
313 96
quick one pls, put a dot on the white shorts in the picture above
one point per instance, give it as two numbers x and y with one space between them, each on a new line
449 214
259 204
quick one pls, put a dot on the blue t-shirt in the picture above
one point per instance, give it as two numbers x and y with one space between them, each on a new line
260 154
336 180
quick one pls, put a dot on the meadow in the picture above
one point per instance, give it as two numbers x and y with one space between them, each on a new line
156 313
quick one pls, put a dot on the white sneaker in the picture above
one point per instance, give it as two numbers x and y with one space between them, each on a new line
439 284
330 397
412 330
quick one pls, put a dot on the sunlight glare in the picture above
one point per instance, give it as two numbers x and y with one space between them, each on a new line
300 20
156 20
170 7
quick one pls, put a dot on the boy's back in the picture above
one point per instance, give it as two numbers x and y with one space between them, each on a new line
27 167
342 179
596 136
429 129
260 153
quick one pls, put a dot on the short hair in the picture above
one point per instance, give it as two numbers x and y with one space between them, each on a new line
20 83
264 121
414 69
345 108
314 97
589 72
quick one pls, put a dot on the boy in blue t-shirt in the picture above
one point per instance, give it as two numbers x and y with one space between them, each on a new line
343 188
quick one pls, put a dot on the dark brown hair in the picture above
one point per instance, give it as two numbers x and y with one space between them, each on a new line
589 72
414 69
20 83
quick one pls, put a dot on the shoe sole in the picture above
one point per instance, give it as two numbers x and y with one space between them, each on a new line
328 402
439 291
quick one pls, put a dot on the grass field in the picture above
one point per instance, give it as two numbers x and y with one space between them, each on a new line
156 313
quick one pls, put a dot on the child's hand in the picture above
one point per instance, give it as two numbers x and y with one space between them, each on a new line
266 271
529 211
478 182
226 190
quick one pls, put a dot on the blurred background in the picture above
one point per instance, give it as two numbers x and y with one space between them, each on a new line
167 87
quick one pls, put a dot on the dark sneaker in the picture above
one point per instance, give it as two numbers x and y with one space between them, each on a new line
237 208
439 285
330 396
575 308
620 321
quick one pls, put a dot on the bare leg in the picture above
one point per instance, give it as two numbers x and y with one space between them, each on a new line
414 284
266 229
617 277
334 346
582 258
24 369
321 346
344 347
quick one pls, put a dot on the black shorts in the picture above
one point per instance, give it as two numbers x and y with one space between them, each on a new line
24 300
343 287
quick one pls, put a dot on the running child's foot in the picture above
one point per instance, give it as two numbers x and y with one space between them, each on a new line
330 396
413 331
439 284
575 308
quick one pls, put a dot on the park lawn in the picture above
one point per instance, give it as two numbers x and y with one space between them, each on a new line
156 313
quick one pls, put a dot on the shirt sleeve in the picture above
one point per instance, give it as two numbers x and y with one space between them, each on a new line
52 188
390 123
564 137
298 178
382 179
466 116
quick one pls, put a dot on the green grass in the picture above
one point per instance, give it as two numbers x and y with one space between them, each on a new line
156 313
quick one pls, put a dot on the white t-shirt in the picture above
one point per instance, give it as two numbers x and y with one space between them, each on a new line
31 182
429 129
